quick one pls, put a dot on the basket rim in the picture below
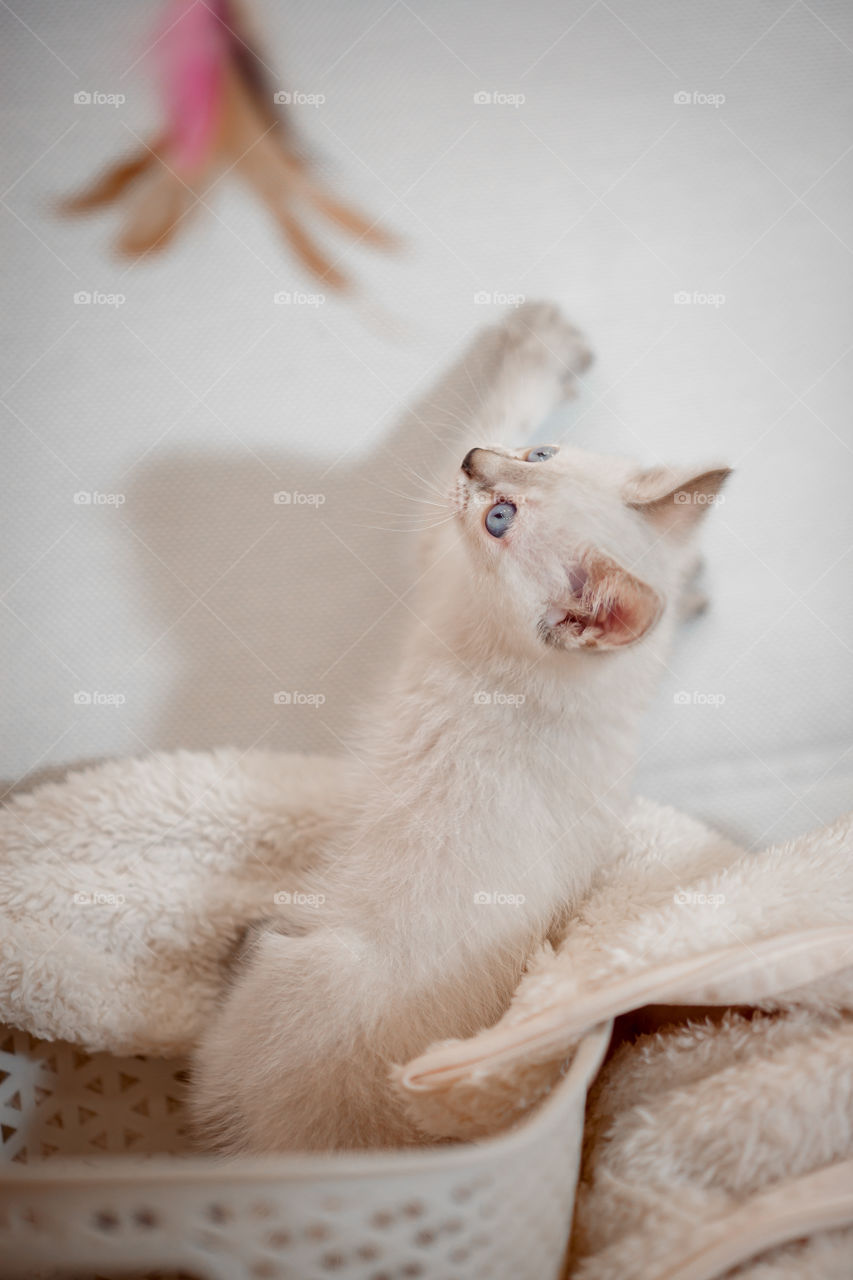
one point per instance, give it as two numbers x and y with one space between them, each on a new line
78 1171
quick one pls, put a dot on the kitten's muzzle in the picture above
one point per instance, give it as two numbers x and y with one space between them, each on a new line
491 469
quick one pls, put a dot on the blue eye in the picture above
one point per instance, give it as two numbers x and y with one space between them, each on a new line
541 452
500 517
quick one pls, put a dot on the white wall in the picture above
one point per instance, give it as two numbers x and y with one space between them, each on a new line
198 398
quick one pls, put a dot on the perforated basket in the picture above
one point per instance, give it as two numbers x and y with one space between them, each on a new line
94 1184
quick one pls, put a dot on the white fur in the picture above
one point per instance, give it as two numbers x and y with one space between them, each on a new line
465 797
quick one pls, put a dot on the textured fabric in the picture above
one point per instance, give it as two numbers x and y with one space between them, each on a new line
199 398
124 890
690 1131
684 918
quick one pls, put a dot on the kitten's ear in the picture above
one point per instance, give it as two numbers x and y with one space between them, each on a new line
604 607
672 500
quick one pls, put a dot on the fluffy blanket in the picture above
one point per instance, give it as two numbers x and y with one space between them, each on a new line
684 918
125 888
712 1143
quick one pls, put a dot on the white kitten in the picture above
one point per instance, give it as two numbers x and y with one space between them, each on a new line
497 771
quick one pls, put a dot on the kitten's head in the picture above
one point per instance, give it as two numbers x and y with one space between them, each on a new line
572 549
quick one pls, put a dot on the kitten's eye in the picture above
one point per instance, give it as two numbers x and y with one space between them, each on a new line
500 518
541 453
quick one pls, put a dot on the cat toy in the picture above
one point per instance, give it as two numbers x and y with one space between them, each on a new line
222 116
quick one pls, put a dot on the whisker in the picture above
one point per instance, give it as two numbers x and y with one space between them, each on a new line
400 515
434 486
412 529
474 386
405 496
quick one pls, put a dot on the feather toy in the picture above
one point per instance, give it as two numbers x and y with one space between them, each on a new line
221 117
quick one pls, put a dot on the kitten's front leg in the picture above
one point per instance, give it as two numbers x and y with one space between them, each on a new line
540 360
510 378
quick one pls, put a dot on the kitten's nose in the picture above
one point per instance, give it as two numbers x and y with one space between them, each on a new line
469 464
490 468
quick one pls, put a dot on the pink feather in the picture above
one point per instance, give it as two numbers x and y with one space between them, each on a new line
192 52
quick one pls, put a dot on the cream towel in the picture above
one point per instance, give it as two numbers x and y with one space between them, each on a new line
706 1142
684 918
124 888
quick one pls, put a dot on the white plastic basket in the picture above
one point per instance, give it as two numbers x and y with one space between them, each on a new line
93 1184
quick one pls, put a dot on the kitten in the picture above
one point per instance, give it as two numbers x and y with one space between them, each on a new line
497 771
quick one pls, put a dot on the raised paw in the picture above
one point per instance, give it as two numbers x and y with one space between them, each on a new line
543 336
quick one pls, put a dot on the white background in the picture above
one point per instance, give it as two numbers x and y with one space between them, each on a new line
199 398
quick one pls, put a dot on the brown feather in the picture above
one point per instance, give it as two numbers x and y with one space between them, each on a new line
109 185
308 251
154 213
350 219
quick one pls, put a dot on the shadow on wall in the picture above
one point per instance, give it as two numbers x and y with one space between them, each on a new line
280 587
